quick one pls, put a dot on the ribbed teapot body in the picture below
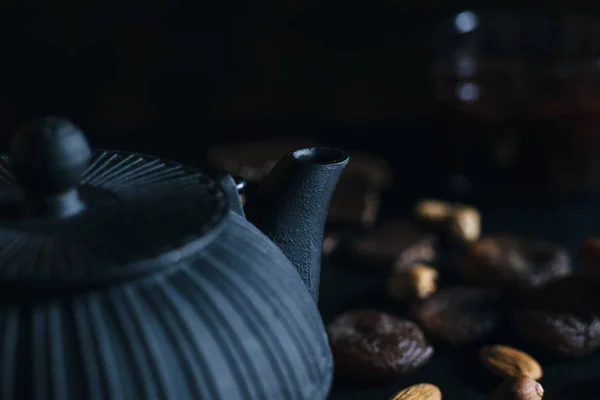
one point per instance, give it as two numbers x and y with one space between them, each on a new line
231 321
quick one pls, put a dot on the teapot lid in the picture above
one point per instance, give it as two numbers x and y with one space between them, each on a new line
71 217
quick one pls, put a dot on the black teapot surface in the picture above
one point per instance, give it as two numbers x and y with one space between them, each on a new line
125 276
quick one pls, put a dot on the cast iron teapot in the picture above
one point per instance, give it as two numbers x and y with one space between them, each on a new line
125 276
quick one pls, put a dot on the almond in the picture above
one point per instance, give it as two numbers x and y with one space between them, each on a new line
465 223
507 362
433 210
521 388
422 391
419 281
458 221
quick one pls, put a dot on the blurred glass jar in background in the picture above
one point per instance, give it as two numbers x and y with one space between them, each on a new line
518 100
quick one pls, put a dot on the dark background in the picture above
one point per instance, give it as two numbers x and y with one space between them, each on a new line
132 68
175 77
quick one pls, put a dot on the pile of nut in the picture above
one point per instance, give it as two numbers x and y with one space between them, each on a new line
523 283
518 370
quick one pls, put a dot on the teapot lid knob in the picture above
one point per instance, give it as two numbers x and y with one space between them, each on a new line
82 220
48 157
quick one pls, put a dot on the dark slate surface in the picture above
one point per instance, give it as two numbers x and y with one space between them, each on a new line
458 372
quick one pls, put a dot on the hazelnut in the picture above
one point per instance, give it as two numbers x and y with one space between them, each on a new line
418 281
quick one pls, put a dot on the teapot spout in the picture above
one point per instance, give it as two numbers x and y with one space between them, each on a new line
291 206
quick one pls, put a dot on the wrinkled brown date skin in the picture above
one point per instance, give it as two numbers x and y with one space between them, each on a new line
563 317
507 262
590 258
457 316
397 241
372 346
